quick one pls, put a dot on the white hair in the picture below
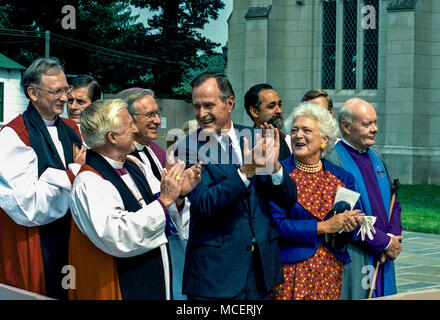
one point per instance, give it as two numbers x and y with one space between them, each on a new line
327 124
99 118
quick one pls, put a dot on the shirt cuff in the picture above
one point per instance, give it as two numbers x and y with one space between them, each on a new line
277 177
243 177
390 235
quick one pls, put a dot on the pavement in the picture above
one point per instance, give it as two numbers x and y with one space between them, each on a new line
417 271
418 265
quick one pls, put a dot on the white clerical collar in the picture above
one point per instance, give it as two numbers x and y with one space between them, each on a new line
49 123
138 146
113 163
348 143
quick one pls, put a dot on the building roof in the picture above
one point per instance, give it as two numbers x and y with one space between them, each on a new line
7 63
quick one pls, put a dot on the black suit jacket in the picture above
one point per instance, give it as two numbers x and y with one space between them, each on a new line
225 216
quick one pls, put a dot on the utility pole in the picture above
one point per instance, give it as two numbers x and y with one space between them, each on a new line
47 46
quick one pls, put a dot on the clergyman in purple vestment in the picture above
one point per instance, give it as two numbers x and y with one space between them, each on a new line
358 125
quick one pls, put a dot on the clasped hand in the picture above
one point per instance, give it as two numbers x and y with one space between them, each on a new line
347 221
263 158
393 250
176 180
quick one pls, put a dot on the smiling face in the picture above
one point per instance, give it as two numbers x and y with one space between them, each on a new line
209 110
45 102
269 110
362 133
306 140
123 140
146 124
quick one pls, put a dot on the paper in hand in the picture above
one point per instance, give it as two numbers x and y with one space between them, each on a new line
367 226
347 195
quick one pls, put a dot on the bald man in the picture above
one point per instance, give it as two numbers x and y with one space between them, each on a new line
358 125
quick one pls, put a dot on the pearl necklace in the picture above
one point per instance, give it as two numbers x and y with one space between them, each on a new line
309 168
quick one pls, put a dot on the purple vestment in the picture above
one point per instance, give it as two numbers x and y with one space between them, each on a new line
159 152
382 226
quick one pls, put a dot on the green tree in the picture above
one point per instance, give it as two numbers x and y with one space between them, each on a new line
174 37
171 43
105 23
208 63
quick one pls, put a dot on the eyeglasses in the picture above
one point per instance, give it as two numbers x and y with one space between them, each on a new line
150 115
59 92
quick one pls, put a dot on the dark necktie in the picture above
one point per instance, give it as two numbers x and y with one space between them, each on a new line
153 165
232 157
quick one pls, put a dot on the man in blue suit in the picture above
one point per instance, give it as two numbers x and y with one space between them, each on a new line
232 249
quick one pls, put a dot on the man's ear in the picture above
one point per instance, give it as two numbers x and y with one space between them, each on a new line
345 127
32 93
231 103
111 137
254 112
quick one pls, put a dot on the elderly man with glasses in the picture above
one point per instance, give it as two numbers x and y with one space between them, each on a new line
37 165
143 107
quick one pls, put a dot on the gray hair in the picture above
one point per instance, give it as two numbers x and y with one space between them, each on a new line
327 124
99 118
346 115
38 68
131 95
223 83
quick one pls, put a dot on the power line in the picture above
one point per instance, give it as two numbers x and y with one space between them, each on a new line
19 42
87 46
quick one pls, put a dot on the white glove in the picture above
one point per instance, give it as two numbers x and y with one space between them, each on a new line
367 227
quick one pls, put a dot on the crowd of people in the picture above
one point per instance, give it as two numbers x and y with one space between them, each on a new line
232 212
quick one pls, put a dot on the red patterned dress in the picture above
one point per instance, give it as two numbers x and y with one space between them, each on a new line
320 276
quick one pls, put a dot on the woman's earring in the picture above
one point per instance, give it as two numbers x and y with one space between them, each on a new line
322 146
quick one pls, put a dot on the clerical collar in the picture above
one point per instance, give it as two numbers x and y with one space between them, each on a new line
350 145
115 164
49 123
138 146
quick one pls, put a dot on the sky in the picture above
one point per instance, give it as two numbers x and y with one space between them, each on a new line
216 30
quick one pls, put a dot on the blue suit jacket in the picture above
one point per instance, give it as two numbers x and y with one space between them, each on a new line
223 214
298 228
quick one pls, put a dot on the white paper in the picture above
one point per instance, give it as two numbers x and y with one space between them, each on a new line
347 195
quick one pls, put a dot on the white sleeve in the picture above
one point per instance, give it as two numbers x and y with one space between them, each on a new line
99 212
29 200
277 177
181 219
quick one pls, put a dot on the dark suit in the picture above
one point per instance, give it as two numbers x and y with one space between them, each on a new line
284 148
225 217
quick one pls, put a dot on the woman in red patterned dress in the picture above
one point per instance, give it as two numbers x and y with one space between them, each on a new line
312 264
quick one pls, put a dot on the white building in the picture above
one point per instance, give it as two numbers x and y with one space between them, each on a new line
384 51
12 98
